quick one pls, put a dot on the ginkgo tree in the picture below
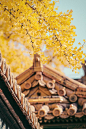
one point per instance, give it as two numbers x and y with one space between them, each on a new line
34 26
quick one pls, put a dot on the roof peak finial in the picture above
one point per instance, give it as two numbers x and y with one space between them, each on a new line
36 63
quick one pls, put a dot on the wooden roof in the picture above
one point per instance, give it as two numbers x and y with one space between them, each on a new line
41 94
16 110
52 94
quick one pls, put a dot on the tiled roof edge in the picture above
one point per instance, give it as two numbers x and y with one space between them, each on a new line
15 91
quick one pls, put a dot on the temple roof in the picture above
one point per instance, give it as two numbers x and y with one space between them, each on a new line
52 94
43 94
15 109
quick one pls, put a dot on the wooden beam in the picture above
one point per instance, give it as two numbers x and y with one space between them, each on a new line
49 100
25 75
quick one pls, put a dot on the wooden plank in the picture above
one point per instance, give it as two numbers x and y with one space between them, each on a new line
46 79
34 83
67 82
82 89
26 92
25 75
48 100
81 94
69 92
45 91
32 91
38 93
52 74
26 85
70 85
58 86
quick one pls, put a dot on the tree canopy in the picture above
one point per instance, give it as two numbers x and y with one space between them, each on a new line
34 26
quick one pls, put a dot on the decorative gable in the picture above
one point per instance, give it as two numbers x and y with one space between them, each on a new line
51 93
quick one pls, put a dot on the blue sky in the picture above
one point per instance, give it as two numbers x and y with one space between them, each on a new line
79 15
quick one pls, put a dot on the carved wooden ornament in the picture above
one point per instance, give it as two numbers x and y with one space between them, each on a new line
58 110
43 111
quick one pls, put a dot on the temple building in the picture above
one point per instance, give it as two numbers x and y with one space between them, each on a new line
40 98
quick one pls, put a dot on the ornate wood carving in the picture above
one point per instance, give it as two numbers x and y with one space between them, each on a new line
38 76
62 91
43 111
26 85
51 84
73 98
57 110
36 63
72 110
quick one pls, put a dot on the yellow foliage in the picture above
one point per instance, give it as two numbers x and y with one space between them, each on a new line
33 24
